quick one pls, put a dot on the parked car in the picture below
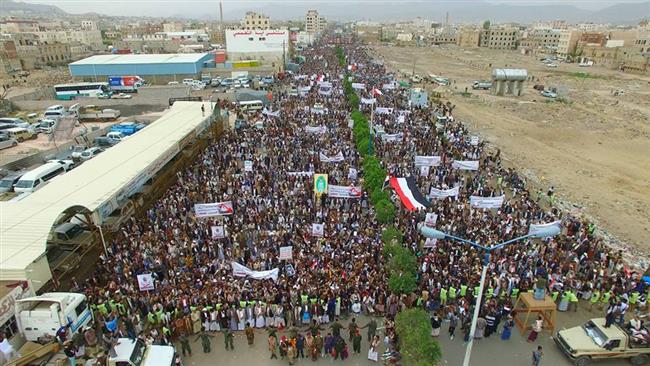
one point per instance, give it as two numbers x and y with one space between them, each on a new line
173 83
90 153
484 85
76 151
551 65
103 96
20 134
188 81
549 94
415 79
103 141
7 183
215 82
66 163
47 125
16 122
116 136
6 141
268 80
227 82
122 96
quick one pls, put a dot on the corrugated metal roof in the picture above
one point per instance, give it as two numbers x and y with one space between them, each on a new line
165 58
26 224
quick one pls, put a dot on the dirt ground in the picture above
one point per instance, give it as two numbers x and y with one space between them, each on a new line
592 146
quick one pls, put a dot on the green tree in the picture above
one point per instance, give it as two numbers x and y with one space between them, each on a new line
417 346
385 211
402 282
486 25
392 235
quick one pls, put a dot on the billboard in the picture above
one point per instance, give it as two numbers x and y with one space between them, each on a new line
252 41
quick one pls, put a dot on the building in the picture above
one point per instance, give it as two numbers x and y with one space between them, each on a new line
500 38
268 45
445 38
18 26
468 38
404 37
160 68
94 190
255 21
88 25
314 23
9 61
566 46
91 38
172 27
540 39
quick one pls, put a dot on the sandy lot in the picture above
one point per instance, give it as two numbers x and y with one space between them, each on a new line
594 147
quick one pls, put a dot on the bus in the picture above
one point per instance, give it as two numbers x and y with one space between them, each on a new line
72 91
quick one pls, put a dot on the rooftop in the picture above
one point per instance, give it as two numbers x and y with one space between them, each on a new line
130 59
25 225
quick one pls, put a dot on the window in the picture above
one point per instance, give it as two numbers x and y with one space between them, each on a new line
10 327
53 174
251 38
80 308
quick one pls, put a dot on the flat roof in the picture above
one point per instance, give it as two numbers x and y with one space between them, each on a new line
131 59
26 224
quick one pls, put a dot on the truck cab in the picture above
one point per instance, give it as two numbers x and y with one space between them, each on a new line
592 341
136 353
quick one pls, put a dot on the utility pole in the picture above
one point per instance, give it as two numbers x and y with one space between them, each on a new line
284 60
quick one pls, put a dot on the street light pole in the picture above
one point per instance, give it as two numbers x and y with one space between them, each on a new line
477 309
549 230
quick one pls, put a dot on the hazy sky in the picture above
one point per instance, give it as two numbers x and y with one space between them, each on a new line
180 7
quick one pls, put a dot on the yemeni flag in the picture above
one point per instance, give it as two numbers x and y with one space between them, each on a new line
409 193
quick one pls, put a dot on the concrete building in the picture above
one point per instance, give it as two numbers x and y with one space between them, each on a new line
9 61
255 21
468 38
566 46
88 25
445 38
540 39
404 37
314 23
269 45
92 38
18 26
172 27
500 38
157 69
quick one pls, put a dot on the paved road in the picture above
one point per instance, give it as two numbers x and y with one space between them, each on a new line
490 351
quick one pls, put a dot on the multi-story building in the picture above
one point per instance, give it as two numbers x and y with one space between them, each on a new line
540 39
35 53
445 38
270 45
87 37
255 21
88 25
9 61
500 38
566 46
18 26
468 38
315 23
172 27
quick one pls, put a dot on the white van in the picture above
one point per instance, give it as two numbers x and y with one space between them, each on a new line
46 314
188 81
35 179
56 107
251 105
129 352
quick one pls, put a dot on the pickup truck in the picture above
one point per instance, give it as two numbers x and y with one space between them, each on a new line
136 353
91 113
480 84
127 128
592 341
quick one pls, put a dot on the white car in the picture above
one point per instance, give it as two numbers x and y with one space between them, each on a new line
90 153
172 83
551 65
77 150
122 96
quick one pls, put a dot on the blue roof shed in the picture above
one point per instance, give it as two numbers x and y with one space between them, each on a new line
141 65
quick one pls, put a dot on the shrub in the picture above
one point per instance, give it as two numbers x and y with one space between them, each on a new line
378 195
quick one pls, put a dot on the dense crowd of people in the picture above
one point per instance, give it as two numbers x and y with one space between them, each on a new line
342 273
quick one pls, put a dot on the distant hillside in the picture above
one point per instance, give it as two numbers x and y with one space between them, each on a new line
465 11
10 7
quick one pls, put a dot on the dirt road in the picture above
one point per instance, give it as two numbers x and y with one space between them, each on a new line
592 146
